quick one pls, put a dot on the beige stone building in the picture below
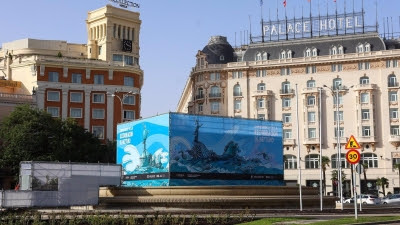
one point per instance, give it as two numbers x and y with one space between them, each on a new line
97 83
278 80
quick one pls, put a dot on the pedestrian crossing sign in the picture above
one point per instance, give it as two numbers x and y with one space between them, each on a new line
352 143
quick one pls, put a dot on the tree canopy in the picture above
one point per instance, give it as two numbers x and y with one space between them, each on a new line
30 134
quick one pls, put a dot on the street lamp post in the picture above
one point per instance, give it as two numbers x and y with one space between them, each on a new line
121 100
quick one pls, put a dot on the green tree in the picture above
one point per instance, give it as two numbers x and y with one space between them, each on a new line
30 134
325 164
335 178
365 168
397 167
383 182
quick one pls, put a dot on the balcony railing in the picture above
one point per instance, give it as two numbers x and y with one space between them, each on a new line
394 138
15 98
364 139
215 95
393 84
201 96
341 140
237 94
262 92
288 141
365 87
311 141
286 91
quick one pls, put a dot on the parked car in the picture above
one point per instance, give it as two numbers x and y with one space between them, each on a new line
391 199
349 200
369 199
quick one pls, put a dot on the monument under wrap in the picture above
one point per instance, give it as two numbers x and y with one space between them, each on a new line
183 150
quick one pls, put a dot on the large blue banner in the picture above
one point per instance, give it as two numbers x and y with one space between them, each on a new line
143 151
209 150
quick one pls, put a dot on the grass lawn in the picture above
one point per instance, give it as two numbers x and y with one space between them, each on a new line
345 220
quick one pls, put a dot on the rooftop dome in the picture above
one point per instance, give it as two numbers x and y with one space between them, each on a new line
218 50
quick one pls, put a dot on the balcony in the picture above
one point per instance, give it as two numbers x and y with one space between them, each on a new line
394 138
199 97
214 95
237 94
361 87
311 141
284 92
310 90
262 93
16 98
342 140
393 84
366 139
288 142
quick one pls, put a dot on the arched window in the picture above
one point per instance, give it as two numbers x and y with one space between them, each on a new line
314 52
310 83
340 50
289 54
333 50
283 55
236 90
221 58
367 47
392 81
261 87
360 48
364 80
215 92
290 162
285 87
312 161
265 56
334 161
370 159
307 52
258 56
311 100
200 93
337 82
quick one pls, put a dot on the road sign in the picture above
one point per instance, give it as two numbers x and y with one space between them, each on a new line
359 168
353 156
352 143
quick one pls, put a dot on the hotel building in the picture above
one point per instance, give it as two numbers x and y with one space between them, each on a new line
97 83
297 81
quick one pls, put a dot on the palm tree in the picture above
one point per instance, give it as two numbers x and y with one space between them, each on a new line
325 163
397 166
335 178
383 182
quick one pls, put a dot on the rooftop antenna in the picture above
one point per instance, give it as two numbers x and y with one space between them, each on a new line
388 29
251 41
277 16
362 14
125 4
345 24
384 29
376 16
353 16
337 30
270 23
391 21
311 19
235 41
262 22
319 19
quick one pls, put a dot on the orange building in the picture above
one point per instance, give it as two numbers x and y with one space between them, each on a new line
97 83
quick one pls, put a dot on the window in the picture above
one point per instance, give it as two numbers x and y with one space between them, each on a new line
311 100
366 65
215 107
214 76
53 96
289 54
237 104
335 114
287 117
364 97
393 96
360 65
129 115
287 133
314 52
200 107
363 66
340 100
200 93
340 67
128 81
366 131
392 81
76 78
128 60
283 54
337 82
98 98
360 48
98 131
367 47
341 132
215 92
388 62
370 159
117 58
98 113
336 67
53 76
394 113
261 116
285 102
310 83
261 73
54 111
76 113
394 130
236 90
333 68
312 161
221 58
200 78
258 57
265 56
340 50
98 79
364 80
365 114
395 161
261 87
76 97
237 74
311 117
286 88
335 161
129 100
333 50
100 50
261 103
395 63
312 132
285 71
290 162
307 52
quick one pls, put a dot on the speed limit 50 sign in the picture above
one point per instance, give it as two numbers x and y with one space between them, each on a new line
353 156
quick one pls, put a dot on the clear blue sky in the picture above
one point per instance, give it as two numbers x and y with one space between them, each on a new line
171 34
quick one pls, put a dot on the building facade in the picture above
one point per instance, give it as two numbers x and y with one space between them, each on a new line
97 83
320 88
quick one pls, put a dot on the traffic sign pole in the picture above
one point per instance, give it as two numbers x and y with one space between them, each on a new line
355 192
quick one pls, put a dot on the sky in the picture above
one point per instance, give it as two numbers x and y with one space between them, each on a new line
172 31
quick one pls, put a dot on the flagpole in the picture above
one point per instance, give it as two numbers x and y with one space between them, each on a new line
302 20
311 21
319 19
277 16
286 31
262 22
362 12
270 23
345 24
294 22
337 30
